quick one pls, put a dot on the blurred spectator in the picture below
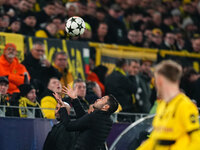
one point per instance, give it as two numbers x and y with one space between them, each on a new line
10 7
133 75
157 20
119 85
90 16
190 84
180 42
101 14
15 25
60 9
82 8
147 37
25 5
28 99
131 39
101 35
156 39
11 67
29 24
80 85
60 24
47 98
196 45
139 39
93 92
98 75
59 138
72 9
133 71
127 18
87 35
35 60
116 28
144 90
176 16
167 25
169 42
4 24
189 27
4 97
60 63
45 15
50 31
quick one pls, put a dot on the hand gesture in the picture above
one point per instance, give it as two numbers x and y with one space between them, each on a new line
91 108
58 98
70 92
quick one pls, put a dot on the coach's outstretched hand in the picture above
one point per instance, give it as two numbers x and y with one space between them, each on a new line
72 93
59 99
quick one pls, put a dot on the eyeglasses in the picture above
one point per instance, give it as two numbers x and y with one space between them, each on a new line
40 50
60 59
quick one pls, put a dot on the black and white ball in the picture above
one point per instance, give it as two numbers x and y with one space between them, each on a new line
75 26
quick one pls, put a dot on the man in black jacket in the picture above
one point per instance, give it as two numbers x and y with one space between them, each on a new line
119 85
39 68
59 138
94 127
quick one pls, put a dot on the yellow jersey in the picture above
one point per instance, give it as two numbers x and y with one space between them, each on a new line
175 126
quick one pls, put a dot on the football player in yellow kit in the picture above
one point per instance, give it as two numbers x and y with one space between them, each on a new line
176 124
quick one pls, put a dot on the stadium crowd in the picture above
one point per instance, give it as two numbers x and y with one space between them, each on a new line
166 24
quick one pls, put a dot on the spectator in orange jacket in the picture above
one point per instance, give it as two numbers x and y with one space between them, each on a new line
98 75
10 66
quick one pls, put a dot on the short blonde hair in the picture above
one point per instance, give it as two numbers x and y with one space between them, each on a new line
171 70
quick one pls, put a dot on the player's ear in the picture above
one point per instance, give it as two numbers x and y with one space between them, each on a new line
106 107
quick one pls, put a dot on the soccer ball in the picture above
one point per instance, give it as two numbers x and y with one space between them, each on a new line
75 26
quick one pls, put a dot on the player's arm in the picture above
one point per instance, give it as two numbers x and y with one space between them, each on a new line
189 119
147 145
195 140
77 125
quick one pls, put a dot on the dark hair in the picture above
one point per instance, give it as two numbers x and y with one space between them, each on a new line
170 70
78 81
120 62
101 72
133 60
90 85
113 103
53 77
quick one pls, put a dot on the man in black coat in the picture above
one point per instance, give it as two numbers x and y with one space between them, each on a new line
116 28
93 127
39 67
119 85
59 138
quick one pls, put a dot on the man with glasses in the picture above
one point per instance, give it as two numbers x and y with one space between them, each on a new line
156 41
169 42
39 67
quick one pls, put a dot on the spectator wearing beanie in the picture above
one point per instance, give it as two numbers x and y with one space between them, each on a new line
29 24
15 25
4 99
28 99
11 67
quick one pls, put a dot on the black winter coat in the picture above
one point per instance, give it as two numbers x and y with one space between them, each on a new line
122 88
93 128
39 75
59 138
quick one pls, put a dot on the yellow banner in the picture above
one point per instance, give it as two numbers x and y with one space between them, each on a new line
16 39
